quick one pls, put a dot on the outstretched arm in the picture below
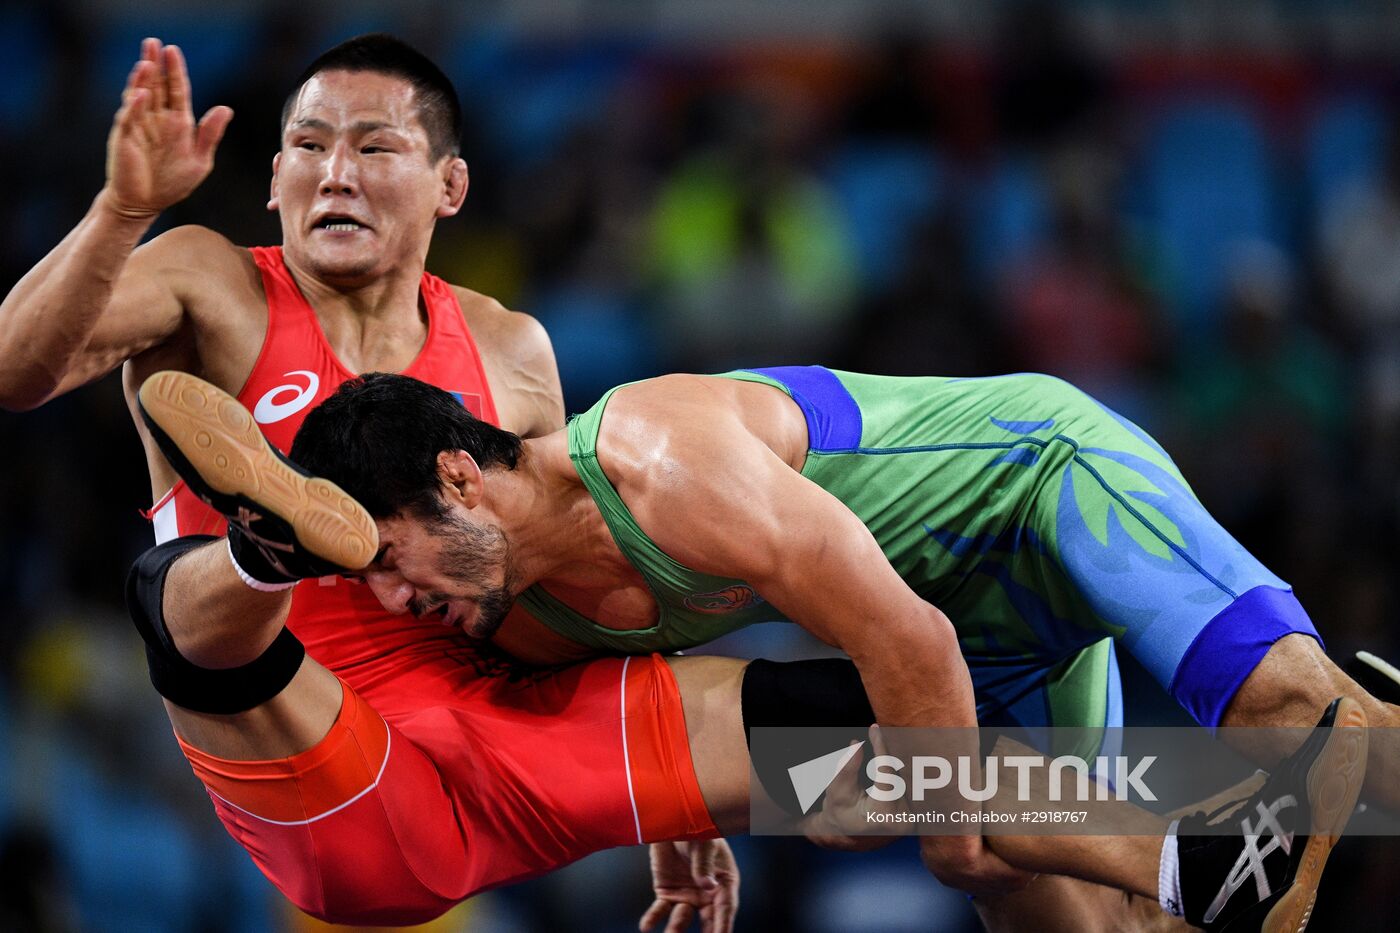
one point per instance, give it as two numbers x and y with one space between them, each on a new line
747 513
89 304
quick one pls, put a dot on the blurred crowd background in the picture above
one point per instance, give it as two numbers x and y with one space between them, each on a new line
1190 209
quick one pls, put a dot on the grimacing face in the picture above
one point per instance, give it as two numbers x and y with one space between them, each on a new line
449 568
354 182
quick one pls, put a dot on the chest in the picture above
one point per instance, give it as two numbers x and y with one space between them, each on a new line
390 345
624 603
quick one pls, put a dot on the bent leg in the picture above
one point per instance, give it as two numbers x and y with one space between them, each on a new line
349 820
240 685
218 622
1288 688
356 829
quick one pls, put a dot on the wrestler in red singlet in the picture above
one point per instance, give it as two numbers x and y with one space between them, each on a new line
486 773
339 621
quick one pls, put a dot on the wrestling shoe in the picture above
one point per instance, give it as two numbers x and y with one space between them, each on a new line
1265 877
1378 677
283 524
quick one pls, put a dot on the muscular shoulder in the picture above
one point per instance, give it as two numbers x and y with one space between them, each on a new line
682 449
657 432
194 257
217 285
215 281
651 430
519 362
703 411
499 331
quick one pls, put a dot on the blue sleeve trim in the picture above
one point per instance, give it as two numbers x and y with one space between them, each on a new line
833 417
1231 645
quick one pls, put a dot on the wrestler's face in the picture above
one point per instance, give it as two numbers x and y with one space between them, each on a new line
450 568
355 183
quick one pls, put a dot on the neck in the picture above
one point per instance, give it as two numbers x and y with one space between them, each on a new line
556 533
372 325
369 296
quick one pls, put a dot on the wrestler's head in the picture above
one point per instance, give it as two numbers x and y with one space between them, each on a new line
368 163
417 460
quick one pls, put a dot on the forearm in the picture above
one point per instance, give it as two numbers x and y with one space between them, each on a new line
915 675
48 317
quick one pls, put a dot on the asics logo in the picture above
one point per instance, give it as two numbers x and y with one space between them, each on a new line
269 549
1250 864
275 404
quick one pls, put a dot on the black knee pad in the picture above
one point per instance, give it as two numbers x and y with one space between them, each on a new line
825 692
201 689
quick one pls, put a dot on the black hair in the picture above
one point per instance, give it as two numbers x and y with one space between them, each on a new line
379 435
439 110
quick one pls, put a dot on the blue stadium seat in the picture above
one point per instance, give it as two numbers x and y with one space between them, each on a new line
24 48
598 340
885 191
217 43
1345 146
1009 215
886 891
1207 183
533 95
131 864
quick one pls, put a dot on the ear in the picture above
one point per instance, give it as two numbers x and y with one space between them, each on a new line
460 478
272 200
454 188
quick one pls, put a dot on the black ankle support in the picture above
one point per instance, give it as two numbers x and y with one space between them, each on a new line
203 690
824 692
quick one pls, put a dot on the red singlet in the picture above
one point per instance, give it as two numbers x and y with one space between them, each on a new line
449 769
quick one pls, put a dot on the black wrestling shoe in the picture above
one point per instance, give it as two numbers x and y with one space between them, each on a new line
1378 677
283 524
1266 876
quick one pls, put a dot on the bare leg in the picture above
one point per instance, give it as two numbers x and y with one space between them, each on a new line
1127 860
1055 904
216 621
1291 687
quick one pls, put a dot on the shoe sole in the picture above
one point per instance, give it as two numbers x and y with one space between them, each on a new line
220 439
1334 783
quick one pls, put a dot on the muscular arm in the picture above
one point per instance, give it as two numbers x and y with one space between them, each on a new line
93 302
49 319
718 498
70 321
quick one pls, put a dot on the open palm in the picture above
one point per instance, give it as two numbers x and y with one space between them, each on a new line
693 879
156 153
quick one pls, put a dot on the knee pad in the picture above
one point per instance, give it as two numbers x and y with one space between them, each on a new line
825 692
203 690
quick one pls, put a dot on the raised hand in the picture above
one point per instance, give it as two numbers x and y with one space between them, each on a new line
156 153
